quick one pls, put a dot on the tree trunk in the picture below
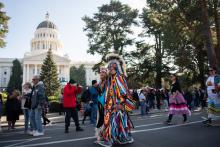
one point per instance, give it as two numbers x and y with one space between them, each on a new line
200 55
207 34
217 27
158 56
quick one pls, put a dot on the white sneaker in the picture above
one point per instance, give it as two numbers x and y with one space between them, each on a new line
38 133
29 132
50 124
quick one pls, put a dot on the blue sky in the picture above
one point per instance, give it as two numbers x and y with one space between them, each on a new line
66 14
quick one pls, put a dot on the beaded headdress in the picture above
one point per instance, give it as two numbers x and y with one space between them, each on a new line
114 60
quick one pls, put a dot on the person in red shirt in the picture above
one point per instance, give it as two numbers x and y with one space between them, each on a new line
70 103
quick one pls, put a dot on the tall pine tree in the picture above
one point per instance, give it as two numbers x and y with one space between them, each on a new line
78 74
3 25
15 81
49 74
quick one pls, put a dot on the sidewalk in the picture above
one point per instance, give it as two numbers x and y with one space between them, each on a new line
56 118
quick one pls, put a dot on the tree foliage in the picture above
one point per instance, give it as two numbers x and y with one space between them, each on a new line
3 25
78 74
109 29
15 81
49 74
179 45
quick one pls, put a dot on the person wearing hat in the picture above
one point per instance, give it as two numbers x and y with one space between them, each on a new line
70 103
213 90
118 102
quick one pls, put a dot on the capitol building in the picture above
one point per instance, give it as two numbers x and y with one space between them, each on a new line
45 37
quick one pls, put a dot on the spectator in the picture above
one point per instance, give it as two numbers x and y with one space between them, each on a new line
85 98
1 105
142 100
94 101
13 109
61 102
70 103
26 105
45 110
158 98
38 99
151 98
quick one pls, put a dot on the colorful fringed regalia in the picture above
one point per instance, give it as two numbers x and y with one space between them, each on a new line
213 90
117 103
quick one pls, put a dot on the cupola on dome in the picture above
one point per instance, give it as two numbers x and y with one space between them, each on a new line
47 23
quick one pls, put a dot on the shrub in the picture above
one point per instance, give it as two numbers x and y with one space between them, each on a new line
54 106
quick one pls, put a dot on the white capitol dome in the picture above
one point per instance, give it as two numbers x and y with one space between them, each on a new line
46 37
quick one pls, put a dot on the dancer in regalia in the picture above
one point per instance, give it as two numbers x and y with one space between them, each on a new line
213 90
177 102
101 102
117 103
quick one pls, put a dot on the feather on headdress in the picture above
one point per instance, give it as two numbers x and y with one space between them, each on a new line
113 58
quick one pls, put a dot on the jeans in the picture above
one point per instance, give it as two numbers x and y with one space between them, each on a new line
142 104
26 113
94 113
36 119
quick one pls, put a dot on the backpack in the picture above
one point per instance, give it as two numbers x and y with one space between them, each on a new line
85 96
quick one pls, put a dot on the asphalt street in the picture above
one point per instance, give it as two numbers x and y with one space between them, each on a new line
149 132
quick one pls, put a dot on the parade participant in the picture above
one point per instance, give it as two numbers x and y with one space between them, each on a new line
117 103
213 90
177 102
69 103
101 101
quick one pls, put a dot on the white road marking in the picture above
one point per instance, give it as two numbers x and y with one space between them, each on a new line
166 127
147 125
17 140
93 137
152 116
61 141
27 140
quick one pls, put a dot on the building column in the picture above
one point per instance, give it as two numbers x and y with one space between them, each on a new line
58 69
28 73
24 73
35 69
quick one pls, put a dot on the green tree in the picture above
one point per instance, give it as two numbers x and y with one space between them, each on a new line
109 28
78 74
15 81
181 26
3 25
49 74
154 23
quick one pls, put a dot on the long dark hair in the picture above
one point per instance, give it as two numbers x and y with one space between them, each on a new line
177 79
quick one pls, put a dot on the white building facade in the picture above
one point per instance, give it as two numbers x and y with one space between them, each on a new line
45 37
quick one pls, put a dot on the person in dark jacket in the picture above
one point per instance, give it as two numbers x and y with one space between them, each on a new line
38 99
94 101
13 109
70 103
1 105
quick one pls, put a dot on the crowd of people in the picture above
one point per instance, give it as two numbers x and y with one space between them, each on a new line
32 102
151 98
109 103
